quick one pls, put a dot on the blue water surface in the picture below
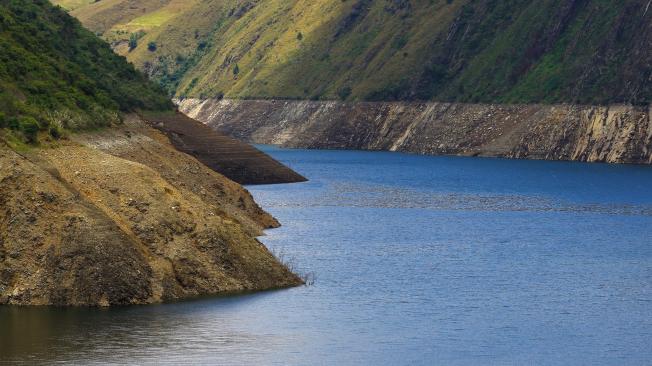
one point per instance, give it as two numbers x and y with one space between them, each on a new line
417 261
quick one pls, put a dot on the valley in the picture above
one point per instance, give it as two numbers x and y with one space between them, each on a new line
546 80
459 182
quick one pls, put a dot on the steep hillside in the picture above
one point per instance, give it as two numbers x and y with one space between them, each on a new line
56 75
113 215
515 51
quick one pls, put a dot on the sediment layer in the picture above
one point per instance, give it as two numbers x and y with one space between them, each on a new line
613 134
236 160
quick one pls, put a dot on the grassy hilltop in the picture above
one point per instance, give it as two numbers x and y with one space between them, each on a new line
56 75
511 51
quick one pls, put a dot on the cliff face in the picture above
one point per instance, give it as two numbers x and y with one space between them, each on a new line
121 217
614 134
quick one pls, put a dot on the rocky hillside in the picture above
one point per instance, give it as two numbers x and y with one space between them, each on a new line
56 78
614 134
121 217
515 51
97 207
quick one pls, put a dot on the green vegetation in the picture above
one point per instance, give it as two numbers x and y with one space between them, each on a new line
133 40
508 51
55 75
74 4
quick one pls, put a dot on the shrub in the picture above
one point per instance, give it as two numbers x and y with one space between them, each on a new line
344 92
133 41
3 120
29 127
55 132
12 122
151 46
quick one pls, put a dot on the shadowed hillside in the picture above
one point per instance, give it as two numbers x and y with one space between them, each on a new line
239 161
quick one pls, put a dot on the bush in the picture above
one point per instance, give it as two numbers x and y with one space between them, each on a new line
12 122
133 42
29 127
50 64
55 132
344 92
3 120
151 46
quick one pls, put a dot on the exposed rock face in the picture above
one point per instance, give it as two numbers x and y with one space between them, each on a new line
614 134
121 217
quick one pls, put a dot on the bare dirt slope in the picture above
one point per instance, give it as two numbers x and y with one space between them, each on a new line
121 217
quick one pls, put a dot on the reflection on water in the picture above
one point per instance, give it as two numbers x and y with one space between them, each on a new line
128 335
419 260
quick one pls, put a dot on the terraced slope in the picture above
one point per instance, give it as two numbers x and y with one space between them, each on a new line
511 51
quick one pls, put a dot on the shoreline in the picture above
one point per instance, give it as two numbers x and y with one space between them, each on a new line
610 134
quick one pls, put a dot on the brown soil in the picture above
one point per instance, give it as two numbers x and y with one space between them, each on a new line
120 217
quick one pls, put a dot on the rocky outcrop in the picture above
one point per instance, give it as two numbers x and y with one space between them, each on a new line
120 217
613 134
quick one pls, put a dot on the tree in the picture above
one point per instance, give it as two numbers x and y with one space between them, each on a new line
30 127
133 41
236 70
151 46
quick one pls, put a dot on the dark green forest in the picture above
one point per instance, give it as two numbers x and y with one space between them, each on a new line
57 76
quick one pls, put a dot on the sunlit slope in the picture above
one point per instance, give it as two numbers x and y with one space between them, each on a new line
74 4
511 51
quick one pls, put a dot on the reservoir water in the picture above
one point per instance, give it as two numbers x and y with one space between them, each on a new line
417 261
